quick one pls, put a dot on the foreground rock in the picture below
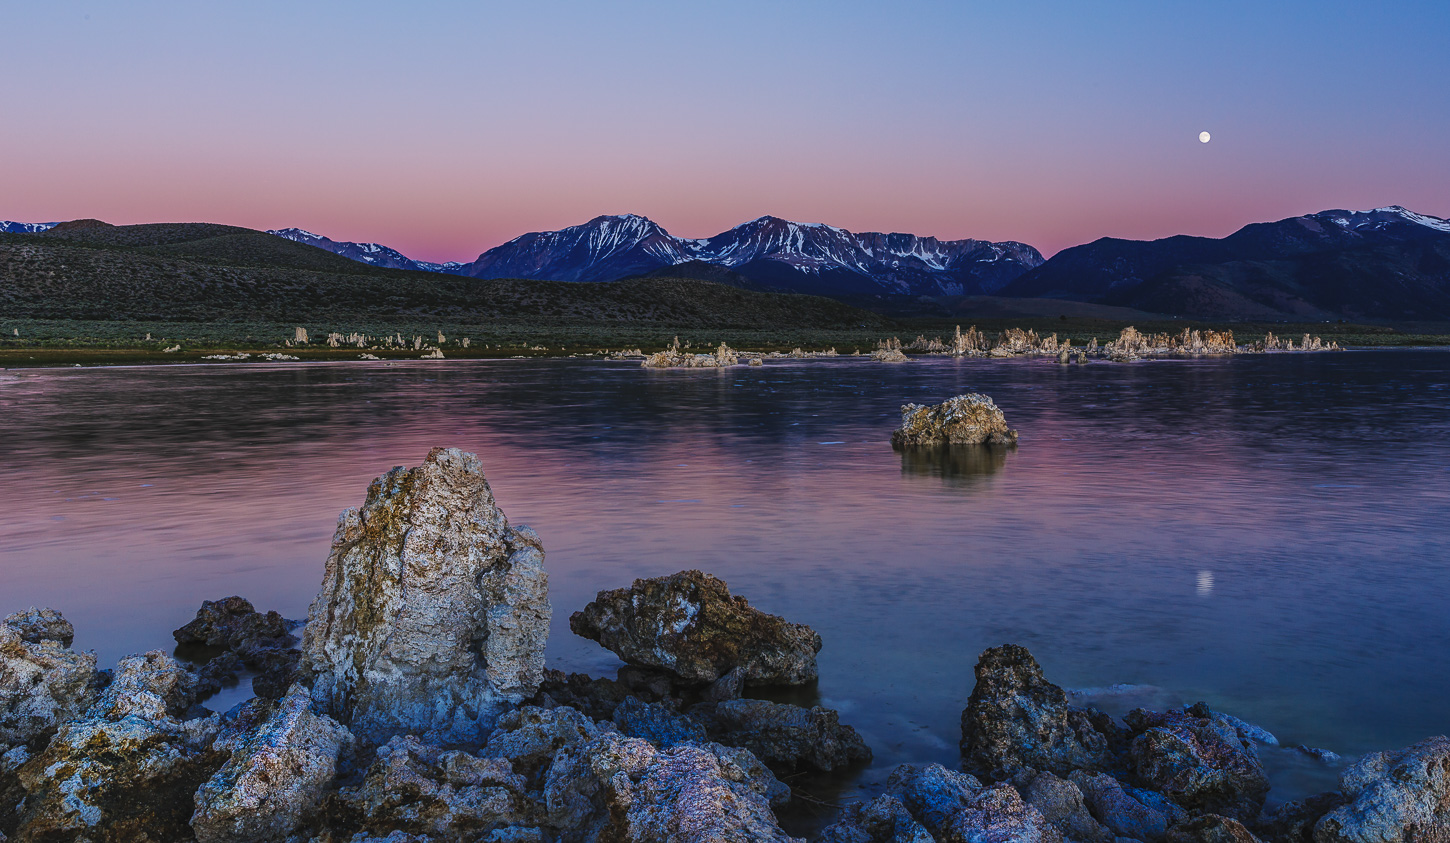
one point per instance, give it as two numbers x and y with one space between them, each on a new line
1395 797
970 419
128 768
931 803
275 777
1016 720
42 685
557 775
784 736
433 612
37 625
689 624
1199 760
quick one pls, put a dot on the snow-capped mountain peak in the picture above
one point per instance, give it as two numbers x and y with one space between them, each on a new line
8 227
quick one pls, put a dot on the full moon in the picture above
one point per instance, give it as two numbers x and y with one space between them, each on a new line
1203 137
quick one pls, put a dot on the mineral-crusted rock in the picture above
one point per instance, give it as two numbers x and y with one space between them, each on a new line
882 820
970 419
955 808
1061 803
11 793
889 355
786 736
1199 761
1126 812
597 784
596 697
1016 719
274 778
673 358
728 687
1394 797
42 685
660 725
37 625
232 623
452 795
1293 822
1211 828
433 612
688 623
125 771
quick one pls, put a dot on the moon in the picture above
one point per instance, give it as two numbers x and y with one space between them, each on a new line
1203 137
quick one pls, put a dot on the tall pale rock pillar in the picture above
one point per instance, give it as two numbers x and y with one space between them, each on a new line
433 612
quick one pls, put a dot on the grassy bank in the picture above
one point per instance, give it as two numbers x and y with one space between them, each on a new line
58 342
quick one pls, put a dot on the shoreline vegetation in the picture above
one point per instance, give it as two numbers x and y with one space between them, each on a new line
67 342
414 706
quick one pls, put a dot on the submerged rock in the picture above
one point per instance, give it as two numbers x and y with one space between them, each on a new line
1016 719
1394 797
882 820
970 419
786 736
689 624
433 612
263 642
1200 761
42 685
274 778
127 769
37 625
1293 822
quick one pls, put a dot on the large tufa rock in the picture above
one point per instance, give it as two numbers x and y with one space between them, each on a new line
42 684
126 770
1061 803
1016 719
433 612
688 624
37 625
275 777
1200 760
1211 828
1126 811
970 419
784 736
1395 797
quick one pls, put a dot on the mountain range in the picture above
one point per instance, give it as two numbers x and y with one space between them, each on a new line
1388 264
766 253
8 227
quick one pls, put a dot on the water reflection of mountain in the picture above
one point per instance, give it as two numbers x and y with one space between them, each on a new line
955 465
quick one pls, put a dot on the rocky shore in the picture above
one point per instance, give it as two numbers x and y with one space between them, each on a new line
415 706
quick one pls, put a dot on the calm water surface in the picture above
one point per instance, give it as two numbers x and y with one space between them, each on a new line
1268 534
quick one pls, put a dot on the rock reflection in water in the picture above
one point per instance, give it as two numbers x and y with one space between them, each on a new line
955 465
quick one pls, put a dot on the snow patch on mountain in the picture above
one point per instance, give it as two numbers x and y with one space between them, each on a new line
8 227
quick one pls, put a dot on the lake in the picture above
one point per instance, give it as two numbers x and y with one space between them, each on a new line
1270 534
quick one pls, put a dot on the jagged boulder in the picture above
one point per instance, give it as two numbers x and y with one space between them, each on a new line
882 820
658 724
42 684
1061 803
1126 811
950 807
689 624
433 612
970 419
275 776
11 793
416 788
784 736
37 625
1394 797
1293 822
126 770
1016 719
1211 828
1202 762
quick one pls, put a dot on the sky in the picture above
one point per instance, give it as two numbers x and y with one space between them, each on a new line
445 128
